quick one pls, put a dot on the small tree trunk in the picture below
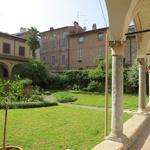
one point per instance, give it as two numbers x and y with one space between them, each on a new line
33 53
4 134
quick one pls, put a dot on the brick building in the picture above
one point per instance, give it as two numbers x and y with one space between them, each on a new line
86 49
55 46
72 47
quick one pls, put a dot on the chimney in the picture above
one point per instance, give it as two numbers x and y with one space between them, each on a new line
84 29
51 28
22 29
94 27
76 23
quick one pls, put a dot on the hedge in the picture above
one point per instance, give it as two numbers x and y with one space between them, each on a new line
30 105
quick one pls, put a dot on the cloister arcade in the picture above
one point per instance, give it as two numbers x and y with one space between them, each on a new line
121 13
8 66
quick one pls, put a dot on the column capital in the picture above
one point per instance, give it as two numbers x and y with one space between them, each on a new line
148 59
141 61
118 47
148 69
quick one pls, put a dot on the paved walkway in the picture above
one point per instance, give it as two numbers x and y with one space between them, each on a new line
92 107
49 98
143 141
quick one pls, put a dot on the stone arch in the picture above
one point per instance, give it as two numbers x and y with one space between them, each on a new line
14 69
4 71
119 22
142 23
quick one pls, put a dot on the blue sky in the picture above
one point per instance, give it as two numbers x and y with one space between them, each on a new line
44 14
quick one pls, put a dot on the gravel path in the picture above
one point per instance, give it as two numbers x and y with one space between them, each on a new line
49 98
92 107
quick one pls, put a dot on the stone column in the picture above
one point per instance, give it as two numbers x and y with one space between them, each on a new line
142 85
117 90
149 85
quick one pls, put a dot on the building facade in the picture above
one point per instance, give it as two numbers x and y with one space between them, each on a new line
22 34
13 50
86 49
55 47
72 47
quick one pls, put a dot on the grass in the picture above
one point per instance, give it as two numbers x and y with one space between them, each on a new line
54 128
96 99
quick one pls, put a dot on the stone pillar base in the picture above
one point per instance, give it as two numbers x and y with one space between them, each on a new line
140 110
117 138
148 105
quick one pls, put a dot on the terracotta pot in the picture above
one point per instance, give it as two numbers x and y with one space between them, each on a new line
12 148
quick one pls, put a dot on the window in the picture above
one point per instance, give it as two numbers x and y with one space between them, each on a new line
81 39
80 54
6 48
100 52
21 51
101 36
63 59
63 40
53 60
64 35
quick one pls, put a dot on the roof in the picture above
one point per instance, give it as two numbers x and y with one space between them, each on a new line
89 31
6 35
57 29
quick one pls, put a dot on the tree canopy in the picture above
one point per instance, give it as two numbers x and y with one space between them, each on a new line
33 39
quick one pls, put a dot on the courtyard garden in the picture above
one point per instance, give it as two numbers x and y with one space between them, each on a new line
95 99
60 127
55 128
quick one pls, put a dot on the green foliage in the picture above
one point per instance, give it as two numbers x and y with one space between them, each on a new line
10 91
57 81
35 71
31 104
77 78
64 97
80 79
26 82
131 79
95 86
33 39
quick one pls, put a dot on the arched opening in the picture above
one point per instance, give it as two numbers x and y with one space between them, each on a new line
15 70
3 71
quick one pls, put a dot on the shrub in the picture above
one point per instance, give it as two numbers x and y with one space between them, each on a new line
30 105
37 90
77 78
94 86
131 79
35 98
34 70
64 97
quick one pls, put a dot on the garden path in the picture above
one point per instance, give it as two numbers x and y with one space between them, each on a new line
50 98
93 107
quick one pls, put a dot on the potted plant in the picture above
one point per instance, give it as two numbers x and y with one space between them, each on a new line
9 91
27 87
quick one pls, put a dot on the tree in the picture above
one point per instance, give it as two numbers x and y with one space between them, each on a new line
33 39
34 70
10 91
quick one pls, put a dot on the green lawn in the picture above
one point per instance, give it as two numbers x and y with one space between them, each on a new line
96 99
54 128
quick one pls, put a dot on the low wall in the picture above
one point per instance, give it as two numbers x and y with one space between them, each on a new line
131 129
